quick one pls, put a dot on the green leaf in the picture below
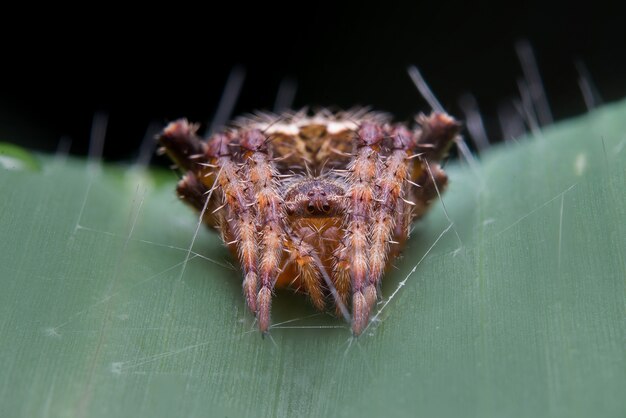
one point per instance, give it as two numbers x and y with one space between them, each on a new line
13 157
517 309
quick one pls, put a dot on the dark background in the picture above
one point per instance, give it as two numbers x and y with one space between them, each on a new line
163 63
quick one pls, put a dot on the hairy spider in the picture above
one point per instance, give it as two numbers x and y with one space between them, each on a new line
318 202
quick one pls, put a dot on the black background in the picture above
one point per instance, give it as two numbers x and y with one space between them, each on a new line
162 63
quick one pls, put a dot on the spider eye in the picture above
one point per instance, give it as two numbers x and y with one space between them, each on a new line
310 208
326 207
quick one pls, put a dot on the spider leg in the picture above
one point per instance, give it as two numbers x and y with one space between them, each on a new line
239 224
438 132
401 229
390 192
433 178
180 142
304 257
210 165
192 191
189 152
390 219
434 139
363 171
262 175
341 274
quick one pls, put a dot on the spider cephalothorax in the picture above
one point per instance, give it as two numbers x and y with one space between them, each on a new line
321 203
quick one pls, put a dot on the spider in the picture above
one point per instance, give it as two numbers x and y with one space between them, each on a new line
320 202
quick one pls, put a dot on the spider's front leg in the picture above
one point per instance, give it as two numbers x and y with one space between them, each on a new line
239 223
394 197
391 185
378 201
270 215
363 171
212 173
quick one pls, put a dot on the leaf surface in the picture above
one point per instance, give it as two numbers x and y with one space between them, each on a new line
512 304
